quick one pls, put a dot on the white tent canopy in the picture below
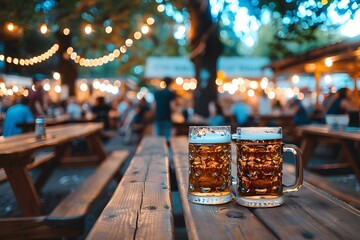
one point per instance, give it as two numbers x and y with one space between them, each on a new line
233 67
16 80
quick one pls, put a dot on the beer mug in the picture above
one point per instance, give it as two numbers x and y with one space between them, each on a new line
209 164
259 166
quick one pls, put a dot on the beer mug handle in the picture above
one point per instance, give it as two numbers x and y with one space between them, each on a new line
299 168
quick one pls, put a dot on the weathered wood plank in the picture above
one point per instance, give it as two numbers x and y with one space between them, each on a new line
225 221
338 190
311 213
141 205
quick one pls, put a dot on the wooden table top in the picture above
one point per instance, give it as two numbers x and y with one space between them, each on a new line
326 131
140 207
13 147
307 214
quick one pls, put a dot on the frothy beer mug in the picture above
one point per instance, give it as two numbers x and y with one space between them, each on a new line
209 164
259 166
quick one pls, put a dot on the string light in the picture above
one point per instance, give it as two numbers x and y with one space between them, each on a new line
145 29
108 29
57 89
10 26
56 75
34 60
87 62
150 21
43 29
161 8
88 29
66 31
328 62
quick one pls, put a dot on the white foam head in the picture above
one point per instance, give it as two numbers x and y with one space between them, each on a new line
258 133
209 135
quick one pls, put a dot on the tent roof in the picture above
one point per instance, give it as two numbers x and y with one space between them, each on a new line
345 56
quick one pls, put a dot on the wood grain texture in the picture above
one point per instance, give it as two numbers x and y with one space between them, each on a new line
337 190
225 221
141 205
311 213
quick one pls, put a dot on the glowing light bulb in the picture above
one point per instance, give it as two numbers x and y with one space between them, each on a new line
108 29
46 87
251 93
83 87
88 29
162 84
137 35
56 75
129 42
179 80
96 84
145 29
43 28
161 8
150 21
295 79
70 50
328 62
57 89
66 31
10 27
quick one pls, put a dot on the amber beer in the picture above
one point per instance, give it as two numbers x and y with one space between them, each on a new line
260 161
260 167
209 165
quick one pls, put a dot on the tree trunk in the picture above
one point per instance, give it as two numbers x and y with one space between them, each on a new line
206 48
66 67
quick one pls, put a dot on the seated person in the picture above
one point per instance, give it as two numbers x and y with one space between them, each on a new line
216 117
295 108
18 113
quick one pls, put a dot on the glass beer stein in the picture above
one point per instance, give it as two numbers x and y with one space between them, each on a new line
260 166
209 164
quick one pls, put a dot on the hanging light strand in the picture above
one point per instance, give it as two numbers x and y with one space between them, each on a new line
34 60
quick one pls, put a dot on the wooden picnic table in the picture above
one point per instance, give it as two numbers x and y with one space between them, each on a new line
141 207
17 152
30 126
307 214
347 138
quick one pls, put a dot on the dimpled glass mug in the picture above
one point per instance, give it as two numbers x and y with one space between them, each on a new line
209 164
259 166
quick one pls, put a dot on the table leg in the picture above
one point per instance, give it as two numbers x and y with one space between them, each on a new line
352 156
24 190
308 146
97 147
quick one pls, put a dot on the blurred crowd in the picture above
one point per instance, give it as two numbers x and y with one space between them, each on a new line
127 116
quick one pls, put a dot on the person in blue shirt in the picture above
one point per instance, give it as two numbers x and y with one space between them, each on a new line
18 113
295 107
216 117
163 99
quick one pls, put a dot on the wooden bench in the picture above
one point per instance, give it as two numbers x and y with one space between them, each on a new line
67 219
141 206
